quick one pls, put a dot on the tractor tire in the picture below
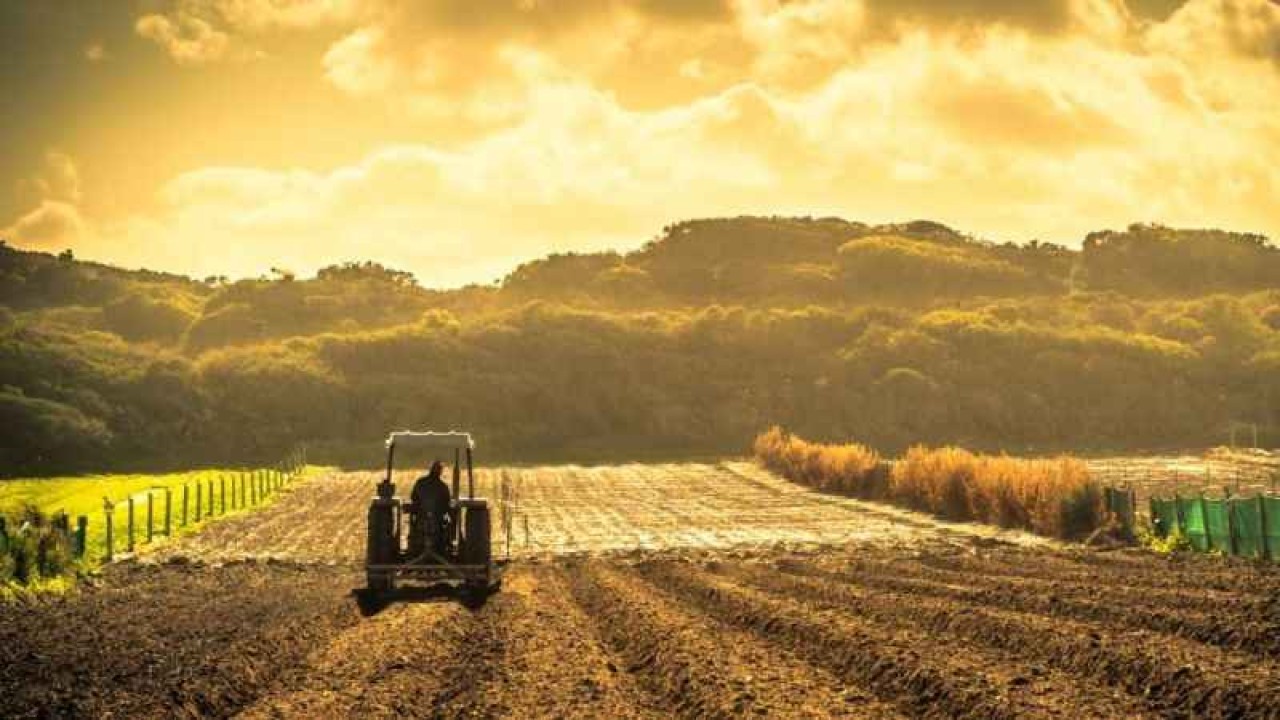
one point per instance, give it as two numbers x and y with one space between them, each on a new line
380 583
476 543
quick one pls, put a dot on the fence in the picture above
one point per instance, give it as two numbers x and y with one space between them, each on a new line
160 511
1243 526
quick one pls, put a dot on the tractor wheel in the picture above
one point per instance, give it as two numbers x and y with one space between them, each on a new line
381 582
476 544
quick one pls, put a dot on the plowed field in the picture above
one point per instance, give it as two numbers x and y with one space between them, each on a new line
647 592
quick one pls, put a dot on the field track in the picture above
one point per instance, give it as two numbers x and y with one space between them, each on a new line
806 606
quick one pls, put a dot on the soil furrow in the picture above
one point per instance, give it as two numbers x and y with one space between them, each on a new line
167 641
343 677
1225 577
920 676
1232 625
1172 676
553 666
702 667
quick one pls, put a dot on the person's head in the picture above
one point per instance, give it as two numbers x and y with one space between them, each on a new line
437 468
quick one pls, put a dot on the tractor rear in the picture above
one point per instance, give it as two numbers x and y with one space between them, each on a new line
467 557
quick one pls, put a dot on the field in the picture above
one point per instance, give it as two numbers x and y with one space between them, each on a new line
84 495
713 590
1215 474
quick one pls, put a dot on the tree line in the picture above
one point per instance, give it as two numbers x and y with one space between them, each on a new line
690 345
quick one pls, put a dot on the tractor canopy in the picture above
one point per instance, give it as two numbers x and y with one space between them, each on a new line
443 440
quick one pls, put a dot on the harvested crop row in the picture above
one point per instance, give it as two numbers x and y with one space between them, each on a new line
1170 674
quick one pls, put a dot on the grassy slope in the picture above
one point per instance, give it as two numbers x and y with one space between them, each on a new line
83 495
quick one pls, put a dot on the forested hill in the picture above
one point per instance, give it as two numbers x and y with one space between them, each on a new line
1144 338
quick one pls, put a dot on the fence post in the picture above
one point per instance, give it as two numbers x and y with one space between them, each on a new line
109 510
150 515
1204 519
222 490
82 535
1262 515
168 515
186 492
130 504
1133 508
199 501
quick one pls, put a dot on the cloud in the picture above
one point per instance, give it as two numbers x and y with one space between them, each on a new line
188 39
51 226
96 52
591 124
58 179
1244 28
264 15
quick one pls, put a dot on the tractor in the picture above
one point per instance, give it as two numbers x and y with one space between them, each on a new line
466 559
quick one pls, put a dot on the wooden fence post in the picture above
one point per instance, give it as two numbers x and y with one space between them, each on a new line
222 490
82 535
199 502
168 515
185 493
150 515
130 505
1133 508
1262 514
109 510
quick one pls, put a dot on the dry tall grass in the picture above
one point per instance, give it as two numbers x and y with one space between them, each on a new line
1056 498
854 469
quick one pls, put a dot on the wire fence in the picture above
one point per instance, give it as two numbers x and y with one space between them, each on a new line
127 523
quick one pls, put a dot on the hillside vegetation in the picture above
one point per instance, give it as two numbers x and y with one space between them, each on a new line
712 332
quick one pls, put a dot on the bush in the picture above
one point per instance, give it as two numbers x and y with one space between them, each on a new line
853 469
1056 498
34 547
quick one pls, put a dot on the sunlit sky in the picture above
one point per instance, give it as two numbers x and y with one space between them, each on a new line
457 138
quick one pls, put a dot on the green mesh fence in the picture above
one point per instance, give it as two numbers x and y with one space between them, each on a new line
1217 521
1193 523
1248 527
1164 516
1271 528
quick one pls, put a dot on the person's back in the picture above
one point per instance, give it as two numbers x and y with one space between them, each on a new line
430 498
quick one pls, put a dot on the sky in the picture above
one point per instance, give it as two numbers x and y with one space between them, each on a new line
458 138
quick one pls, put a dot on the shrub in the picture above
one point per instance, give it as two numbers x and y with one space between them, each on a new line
33 547
1056 498
853 469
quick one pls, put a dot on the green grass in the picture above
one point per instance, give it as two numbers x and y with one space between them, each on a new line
84 495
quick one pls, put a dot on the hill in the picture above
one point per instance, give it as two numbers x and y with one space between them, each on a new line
1145 338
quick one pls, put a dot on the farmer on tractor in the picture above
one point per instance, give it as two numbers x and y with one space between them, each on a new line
429 521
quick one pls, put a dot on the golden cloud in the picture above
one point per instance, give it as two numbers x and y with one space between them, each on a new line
188 39
51 226
592 124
